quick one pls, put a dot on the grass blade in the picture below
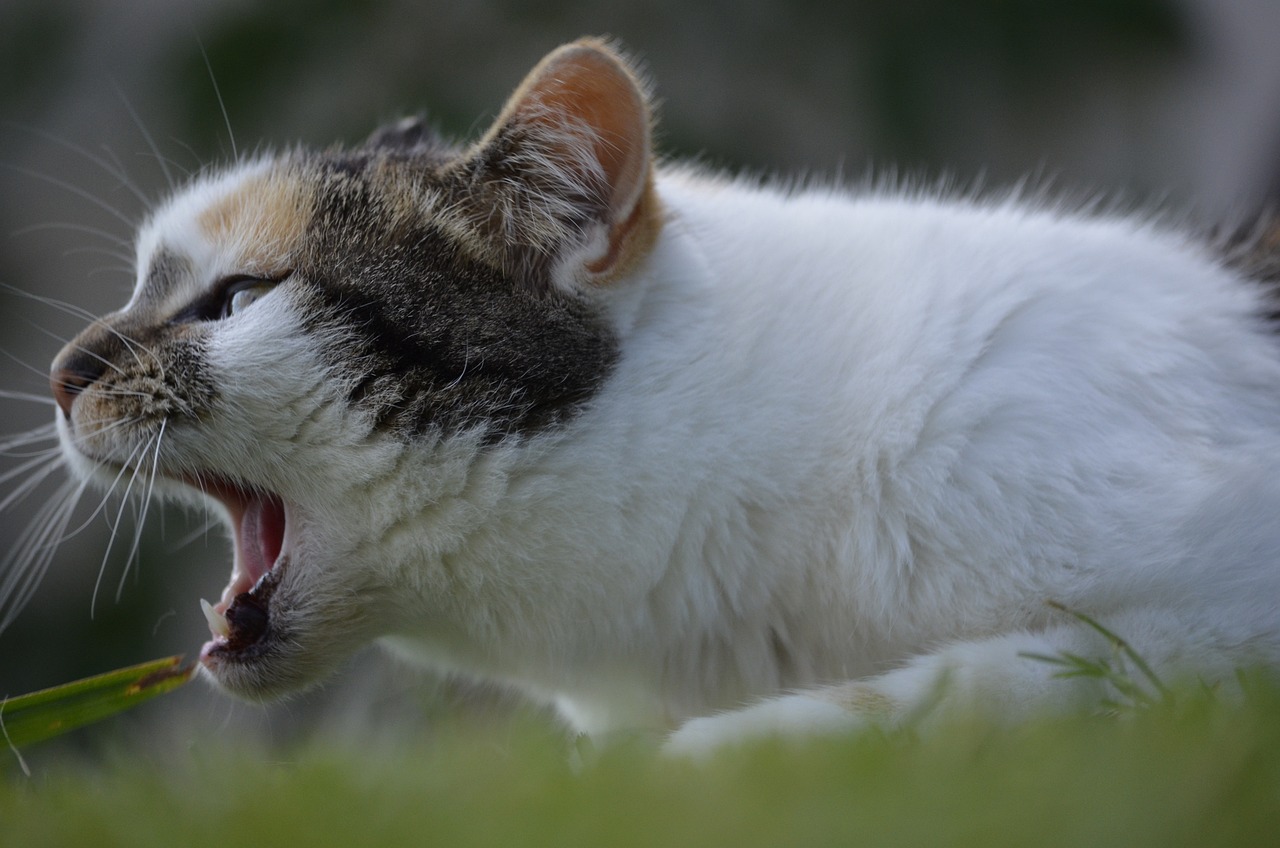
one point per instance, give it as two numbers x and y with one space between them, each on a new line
51 712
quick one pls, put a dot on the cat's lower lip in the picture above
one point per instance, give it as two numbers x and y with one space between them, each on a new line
243 629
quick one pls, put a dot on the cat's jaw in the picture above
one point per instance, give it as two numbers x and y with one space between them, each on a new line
260 524
283 620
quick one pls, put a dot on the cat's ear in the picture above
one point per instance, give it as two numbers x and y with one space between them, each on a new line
560 190
408 135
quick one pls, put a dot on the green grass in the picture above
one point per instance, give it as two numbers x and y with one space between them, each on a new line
1192 771
32 718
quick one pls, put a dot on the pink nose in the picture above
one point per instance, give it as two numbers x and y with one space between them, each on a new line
71 376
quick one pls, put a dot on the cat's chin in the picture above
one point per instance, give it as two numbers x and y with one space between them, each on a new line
279 626
259 656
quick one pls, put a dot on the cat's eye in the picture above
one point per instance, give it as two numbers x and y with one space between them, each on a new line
241 294
229 296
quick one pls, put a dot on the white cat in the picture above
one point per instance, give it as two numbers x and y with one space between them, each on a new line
680 452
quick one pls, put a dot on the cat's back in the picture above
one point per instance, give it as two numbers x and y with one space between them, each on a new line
895 299
969 380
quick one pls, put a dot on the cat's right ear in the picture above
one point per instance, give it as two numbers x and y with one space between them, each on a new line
559 192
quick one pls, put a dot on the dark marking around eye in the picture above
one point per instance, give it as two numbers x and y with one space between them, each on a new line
431 340
213 304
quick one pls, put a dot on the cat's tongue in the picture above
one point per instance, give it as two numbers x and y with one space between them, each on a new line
258 522
259 538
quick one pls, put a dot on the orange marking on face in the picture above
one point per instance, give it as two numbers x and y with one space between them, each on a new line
264 219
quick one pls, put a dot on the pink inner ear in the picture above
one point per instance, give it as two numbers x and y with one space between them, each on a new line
586 85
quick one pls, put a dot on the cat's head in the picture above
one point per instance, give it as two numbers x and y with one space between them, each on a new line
321 344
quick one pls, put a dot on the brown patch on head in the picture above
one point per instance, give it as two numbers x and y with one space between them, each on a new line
264 219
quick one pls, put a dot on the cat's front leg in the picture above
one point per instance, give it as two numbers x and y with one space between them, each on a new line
1007 677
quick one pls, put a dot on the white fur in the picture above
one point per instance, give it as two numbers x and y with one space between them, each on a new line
849 439
849 435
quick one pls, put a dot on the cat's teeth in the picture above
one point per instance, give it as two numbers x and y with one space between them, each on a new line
217 621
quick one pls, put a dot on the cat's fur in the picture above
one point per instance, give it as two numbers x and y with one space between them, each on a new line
672 450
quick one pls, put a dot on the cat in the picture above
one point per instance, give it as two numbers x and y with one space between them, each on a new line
672 451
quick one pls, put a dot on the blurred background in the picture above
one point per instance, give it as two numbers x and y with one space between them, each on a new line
1169 103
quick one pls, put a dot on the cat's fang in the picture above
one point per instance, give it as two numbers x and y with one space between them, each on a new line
218 625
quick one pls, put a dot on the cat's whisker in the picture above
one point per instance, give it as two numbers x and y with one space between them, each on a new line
91 353
27 366
226 117
195 157
208 523
43 433
99 509
25 488
133 346
146 135
131 343
76 190
141 518
114 168
98 428
47 453
29 559
111 154
91 250
32 462
28 396
129 466
108 391
82 229
31 452
61 305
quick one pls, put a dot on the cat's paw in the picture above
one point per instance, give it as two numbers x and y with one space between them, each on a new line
790 716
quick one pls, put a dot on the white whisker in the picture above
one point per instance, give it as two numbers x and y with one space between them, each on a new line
206 525
26 366
129 465
218 93
77 191
28 396
104 360
146 136
27 486
141 518
45 432
23 467
29 558
91 250
71 309
83 229
133 345
113 168
47 453
87 432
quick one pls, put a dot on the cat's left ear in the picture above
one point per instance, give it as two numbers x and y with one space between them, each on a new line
560 190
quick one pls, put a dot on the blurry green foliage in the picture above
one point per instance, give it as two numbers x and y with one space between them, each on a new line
253 55
916 48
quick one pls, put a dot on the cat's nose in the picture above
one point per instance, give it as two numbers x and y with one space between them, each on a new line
71 375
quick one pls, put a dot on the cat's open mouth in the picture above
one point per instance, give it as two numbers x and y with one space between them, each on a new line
240 620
